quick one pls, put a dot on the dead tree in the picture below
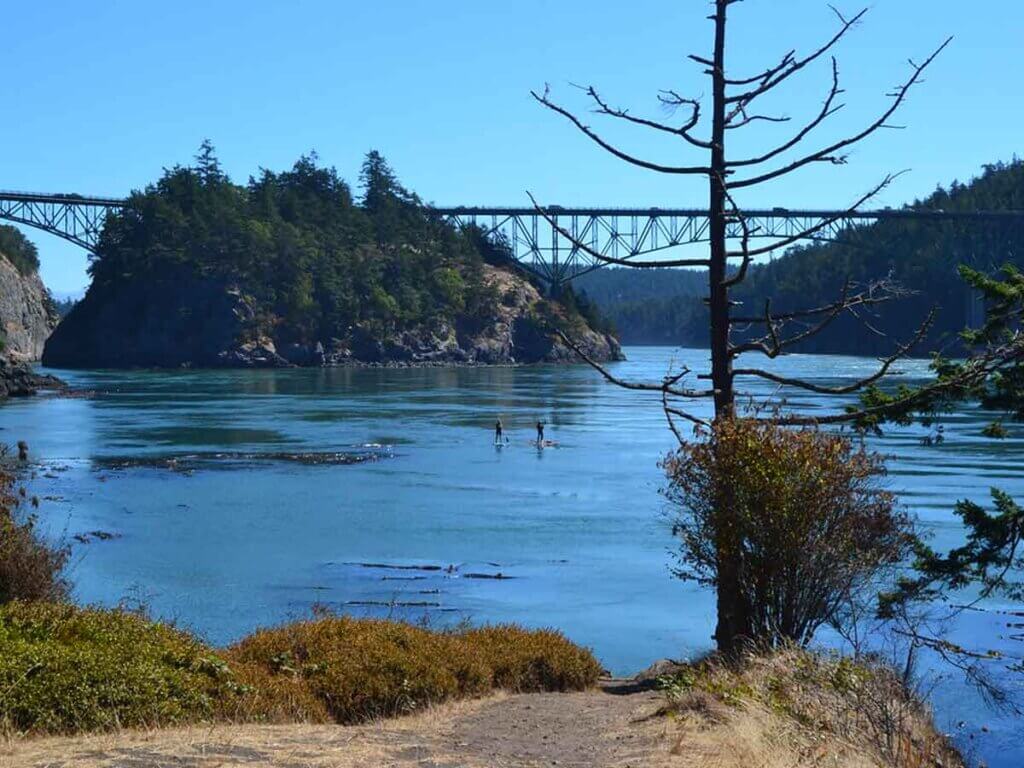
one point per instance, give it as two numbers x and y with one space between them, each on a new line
734 105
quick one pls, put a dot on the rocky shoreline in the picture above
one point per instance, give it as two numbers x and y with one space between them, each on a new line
18 379
186 321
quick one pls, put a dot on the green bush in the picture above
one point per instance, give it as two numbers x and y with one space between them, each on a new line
65 669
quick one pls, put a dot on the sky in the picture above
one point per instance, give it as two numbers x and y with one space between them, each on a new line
97 98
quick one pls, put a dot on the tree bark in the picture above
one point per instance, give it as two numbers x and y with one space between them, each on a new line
733 616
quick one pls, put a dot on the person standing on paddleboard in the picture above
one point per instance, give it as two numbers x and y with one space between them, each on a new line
497 432
540 432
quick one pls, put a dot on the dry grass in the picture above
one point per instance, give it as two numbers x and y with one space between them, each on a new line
792 708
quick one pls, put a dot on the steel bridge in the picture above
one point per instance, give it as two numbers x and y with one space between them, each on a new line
534 239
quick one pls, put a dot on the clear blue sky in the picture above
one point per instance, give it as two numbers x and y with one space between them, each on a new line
98 97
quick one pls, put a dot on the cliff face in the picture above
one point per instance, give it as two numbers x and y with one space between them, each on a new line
27 314
191 321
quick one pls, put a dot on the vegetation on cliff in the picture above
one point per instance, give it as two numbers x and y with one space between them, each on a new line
19 250
300 243
373 279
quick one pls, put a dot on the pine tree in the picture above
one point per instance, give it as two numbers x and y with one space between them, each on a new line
208 165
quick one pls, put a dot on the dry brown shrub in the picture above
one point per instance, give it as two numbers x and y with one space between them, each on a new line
360 669
524 660
30 567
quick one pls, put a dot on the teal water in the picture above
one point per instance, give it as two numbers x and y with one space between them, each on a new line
232 508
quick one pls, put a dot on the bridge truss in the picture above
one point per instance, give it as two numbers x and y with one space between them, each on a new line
534 239
75 218
536 243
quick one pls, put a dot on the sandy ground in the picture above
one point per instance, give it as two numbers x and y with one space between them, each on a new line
615 725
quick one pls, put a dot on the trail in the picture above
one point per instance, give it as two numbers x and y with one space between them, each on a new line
615 725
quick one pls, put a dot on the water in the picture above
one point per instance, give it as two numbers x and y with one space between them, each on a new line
240 498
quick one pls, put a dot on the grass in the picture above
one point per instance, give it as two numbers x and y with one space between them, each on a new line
66 670
793 708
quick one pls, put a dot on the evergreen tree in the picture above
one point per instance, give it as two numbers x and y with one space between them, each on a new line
207 164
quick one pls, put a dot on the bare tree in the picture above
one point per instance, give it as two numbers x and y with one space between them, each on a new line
734 105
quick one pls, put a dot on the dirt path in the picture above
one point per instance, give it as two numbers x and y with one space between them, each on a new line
613 726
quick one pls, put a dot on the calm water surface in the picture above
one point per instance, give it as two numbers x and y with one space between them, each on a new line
225 540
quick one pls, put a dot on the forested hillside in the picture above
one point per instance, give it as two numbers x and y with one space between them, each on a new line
293 269
920 255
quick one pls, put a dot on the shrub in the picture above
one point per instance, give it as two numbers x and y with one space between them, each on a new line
541 660
364 668
30 568
65 669
803 509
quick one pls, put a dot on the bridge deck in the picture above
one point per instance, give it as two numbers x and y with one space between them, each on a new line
584 239
793 213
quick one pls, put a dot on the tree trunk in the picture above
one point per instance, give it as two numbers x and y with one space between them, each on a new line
733 616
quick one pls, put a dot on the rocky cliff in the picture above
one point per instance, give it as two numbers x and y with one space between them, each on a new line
204 322
27 313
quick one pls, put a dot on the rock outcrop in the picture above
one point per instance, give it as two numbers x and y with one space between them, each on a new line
27 313
17 379
206 323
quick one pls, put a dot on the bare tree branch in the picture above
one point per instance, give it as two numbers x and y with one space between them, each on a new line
772 346
974 373
741 273
682 131
732 124
875 293
827 111
684 170
667 386
828 153
780 75
824 223
768 74
855 386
